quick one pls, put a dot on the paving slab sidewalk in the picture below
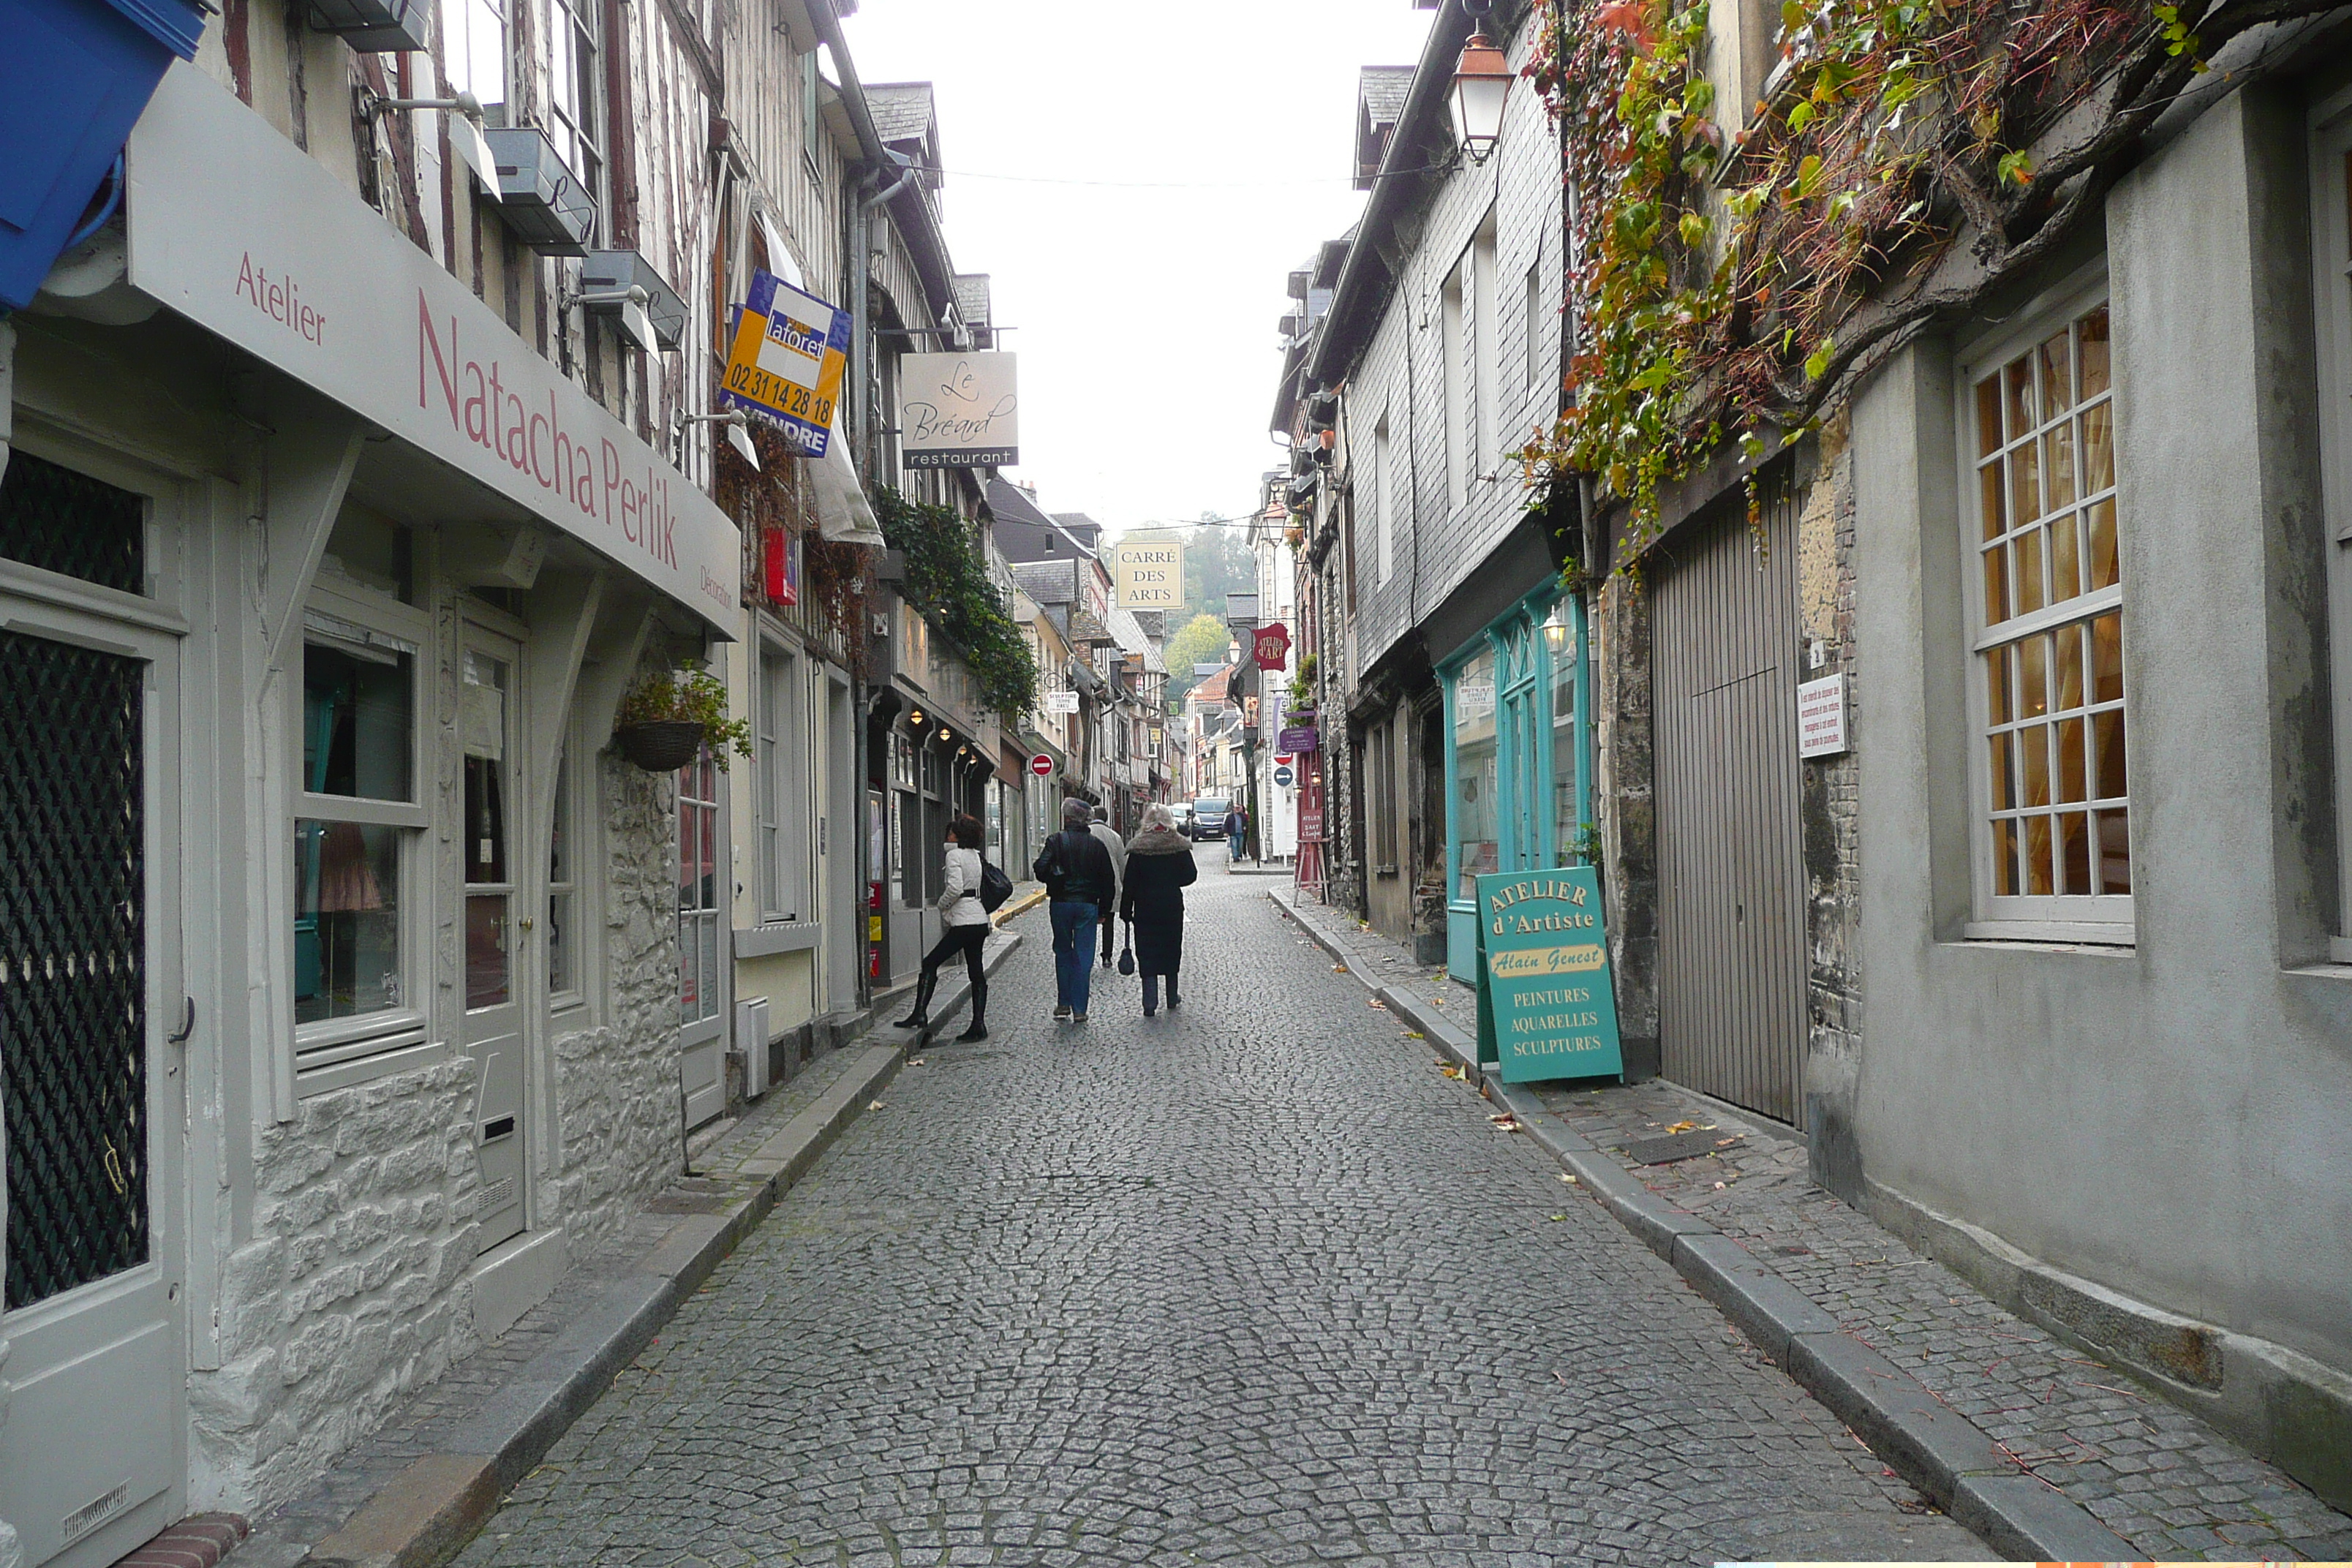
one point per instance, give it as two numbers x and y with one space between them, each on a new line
2037 1448
415 1491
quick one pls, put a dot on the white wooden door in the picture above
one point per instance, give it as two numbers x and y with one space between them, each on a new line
702 962
489 724
92 1457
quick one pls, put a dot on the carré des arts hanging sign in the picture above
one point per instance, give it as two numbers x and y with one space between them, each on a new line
1547 1006
786 363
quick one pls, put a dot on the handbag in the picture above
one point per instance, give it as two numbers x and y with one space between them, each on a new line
995 886
1127 952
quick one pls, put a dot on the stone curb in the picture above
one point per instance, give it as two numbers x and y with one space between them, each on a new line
1948 1456
428 1513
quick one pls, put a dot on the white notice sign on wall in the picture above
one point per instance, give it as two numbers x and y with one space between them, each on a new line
1821 717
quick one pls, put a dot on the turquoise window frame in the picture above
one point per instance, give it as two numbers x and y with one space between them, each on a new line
1526 671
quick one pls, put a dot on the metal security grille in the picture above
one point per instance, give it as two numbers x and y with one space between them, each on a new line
1731 925
63 521
73 1074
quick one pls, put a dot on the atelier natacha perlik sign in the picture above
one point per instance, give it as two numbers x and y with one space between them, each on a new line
787 362
1546 1005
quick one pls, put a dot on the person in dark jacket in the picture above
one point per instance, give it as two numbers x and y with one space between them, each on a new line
1080 883
1159 867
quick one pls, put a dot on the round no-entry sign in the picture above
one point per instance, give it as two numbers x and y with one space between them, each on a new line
1282 777
1041 765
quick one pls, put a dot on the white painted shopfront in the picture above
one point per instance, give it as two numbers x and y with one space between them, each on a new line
396 969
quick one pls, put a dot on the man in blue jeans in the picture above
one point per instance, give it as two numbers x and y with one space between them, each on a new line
1080 884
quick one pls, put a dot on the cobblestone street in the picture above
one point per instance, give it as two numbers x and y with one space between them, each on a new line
1252 1283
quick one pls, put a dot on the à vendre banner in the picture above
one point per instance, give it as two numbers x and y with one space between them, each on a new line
790 353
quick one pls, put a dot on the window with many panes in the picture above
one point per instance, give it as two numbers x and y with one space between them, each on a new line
1478 831
2053 819
357 821
575 90
473 52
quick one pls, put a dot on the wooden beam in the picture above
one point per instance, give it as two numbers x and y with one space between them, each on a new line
307 470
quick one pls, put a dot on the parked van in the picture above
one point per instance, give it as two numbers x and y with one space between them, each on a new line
1209 816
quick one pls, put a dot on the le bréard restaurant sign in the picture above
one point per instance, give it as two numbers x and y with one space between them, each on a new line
790 352
958 411
1546 1008
1148 574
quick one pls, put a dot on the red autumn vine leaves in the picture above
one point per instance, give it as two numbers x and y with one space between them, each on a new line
1738 283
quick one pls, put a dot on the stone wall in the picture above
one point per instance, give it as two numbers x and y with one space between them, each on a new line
1830 807
356 1288
353 1291
1624 808
618 1128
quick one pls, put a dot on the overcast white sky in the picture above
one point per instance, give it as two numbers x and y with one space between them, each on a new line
1146 318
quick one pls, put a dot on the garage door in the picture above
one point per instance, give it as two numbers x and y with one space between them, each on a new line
1731 927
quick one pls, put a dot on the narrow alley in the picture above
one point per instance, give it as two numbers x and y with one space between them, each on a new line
1248 1281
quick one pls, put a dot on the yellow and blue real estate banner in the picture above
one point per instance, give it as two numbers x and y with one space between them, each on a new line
1547 1006
787 361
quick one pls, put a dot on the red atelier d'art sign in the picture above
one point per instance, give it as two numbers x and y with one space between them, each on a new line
1272 646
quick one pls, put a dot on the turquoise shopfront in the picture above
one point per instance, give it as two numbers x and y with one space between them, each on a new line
1518 755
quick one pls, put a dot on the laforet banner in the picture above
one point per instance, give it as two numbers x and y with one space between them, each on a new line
790 353
1547 1001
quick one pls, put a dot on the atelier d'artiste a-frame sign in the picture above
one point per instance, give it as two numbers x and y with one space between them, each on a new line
1547 1006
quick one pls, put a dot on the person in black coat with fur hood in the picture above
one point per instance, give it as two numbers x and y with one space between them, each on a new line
1151 897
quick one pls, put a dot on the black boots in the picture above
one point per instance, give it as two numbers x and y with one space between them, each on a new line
978 1029
921 1016
1173 1000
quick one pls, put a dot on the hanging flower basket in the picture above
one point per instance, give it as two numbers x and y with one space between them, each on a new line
660 746
667 719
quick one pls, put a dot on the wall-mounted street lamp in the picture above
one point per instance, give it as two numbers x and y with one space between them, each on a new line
1481 80
1555 626
466 138
738 423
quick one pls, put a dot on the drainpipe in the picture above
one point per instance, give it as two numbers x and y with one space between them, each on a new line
861 325
878 160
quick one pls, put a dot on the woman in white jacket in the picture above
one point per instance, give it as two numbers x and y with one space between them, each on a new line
968 926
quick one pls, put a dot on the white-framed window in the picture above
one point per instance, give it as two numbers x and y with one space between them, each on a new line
1455 371
2331 276
2051 820
360 881
475 52
1485 350
575 92
698 890
786 891
1532 374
